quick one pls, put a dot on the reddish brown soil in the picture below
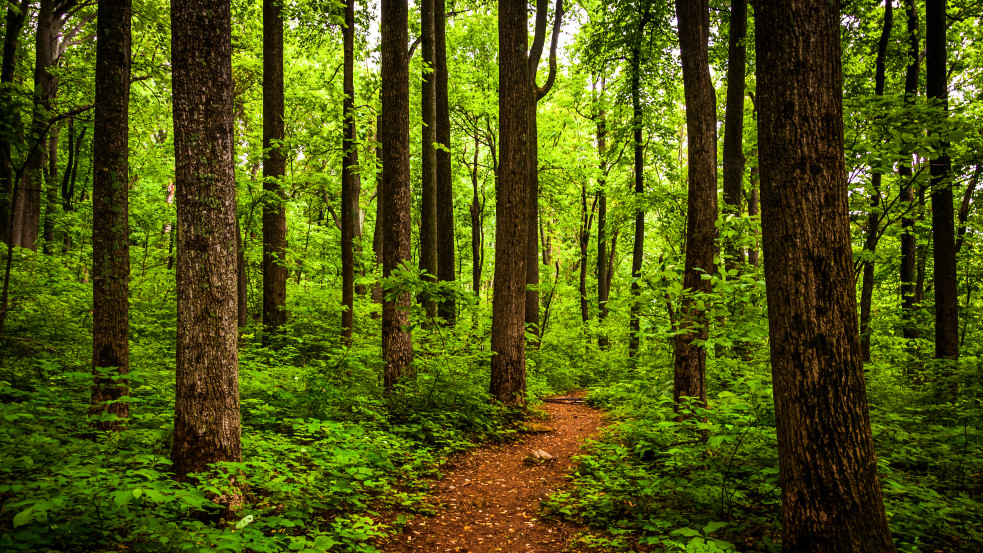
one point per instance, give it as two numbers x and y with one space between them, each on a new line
490 498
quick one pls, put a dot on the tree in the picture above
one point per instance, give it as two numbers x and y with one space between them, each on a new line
206 408
701 210
274 167
397 345
873 217
831 497
508 364
532 202
638 246
943 222
908 253
733 168
9 116
349 176
110 211
428 158
445 192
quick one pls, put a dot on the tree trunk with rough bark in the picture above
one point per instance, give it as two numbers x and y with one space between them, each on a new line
508 364
274 168
428 159
701 212
110 209
349 177
638 246
831 497
9 115
943 221
602 223
446 268
206 409
397 341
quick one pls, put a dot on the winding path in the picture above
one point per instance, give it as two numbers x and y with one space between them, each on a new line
489 500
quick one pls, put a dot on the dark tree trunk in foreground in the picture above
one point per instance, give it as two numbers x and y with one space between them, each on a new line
428 160
477 225
831 497
905 172
397 342
349 165
206 417
874 218
701 232
508 364
446 268
274 167
734 125
943 221
8 111
110 209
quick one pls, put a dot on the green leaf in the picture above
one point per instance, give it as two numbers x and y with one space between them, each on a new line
137 493
23 517
685 531
713 527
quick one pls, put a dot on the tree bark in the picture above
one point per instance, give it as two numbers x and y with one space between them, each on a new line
905 172
638 247
873 218
242 293
532 202
446 268
943 221
477 226
349 184
831 498
110 209
206 409
8 111
508 364
27 208
701 211
274 168
428 161
397 341
602 222
734 126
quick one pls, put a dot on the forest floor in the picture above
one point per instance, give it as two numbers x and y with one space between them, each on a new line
489 499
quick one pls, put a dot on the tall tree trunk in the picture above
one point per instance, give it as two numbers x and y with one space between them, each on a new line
532 186
397 341
349 185
110 210
9 115
274 168
602 222
873 218
586 221
477 232
701 211
734 125
508 364
831 498
206 409
638 247
905 172
428 161
27 216
943 222
446 270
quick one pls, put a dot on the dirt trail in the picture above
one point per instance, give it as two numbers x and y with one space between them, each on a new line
490 497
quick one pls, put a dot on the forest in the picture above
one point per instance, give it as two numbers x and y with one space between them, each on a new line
274 269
